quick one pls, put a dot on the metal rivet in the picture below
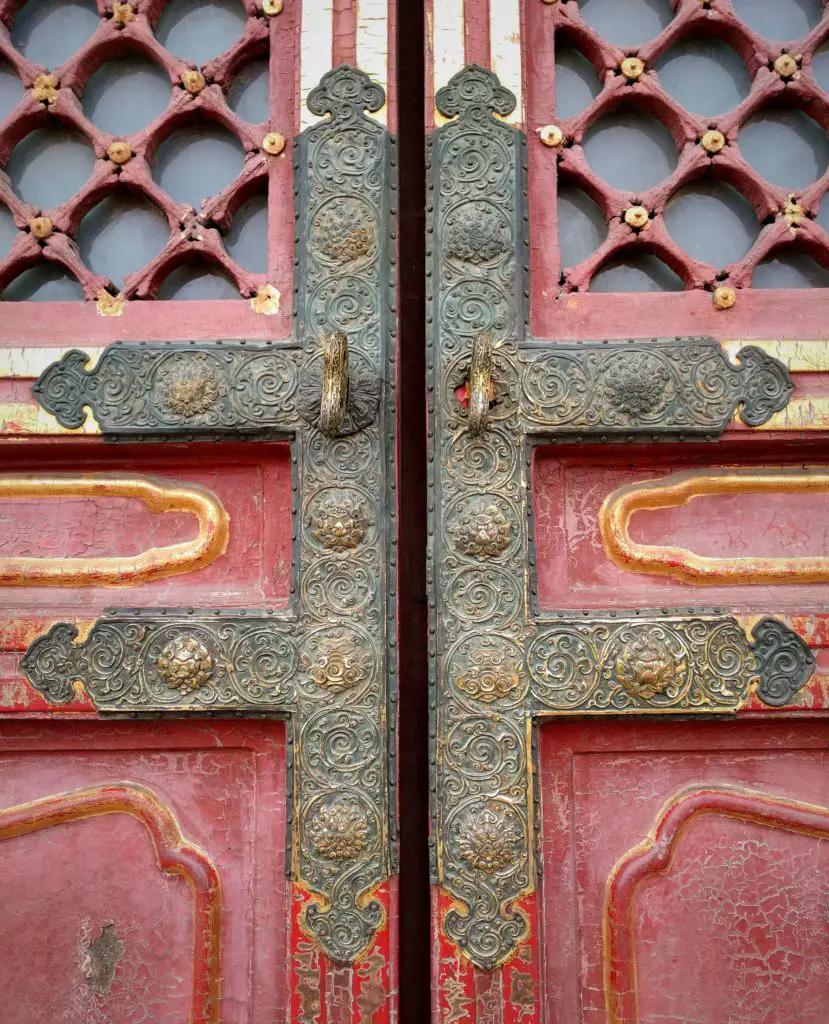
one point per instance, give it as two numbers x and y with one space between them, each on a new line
787 65
551 135
273 143
272 7
41 227
632 68
636 216
724 298
119 152
713 141
193 81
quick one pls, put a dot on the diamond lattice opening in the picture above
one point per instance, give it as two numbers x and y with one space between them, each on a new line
197 280
43 283
630 150
786 146
126 94
577 83
712 222
249 93
50 165
581 225
120 235
704 75
247 240
790 270
779 19
11 89
197 161
48 32
636 272
198 30
628 24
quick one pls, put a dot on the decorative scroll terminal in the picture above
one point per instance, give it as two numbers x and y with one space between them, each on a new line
680 386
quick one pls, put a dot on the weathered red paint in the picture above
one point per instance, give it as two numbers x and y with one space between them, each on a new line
723 917
201 947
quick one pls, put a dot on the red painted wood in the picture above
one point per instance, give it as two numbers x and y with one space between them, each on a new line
252 481
571 482
199 916
727 924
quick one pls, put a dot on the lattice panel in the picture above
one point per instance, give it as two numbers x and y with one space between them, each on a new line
53 96
781 76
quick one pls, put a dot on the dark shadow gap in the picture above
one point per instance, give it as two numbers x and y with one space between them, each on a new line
413 753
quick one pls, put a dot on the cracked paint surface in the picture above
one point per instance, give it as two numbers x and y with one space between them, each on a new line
736 929
224 782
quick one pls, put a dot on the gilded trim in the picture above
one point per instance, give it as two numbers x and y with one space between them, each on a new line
688 567
118 570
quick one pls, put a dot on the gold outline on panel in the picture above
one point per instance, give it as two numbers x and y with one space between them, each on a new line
682 564
120 570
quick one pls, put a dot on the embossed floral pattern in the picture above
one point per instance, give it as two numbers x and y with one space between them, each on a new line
477 233
185 664
338 830
340 521
637 384
189 387
337 663
482 530
344 230
489 676
645 666
488 838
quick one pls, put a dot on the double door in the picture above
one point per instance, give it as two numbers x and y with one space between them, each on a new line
242 731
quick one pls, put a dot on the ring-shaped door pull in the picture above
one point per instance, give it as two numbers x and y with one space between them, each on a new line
334 383
480 383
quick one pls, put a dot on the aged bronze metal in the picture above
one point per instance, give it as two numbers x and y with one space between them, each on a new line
480 383
327 662
334 382
496 664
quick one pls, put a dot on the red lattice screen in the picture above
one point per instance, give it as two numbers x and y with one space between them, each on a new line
781 77
54 95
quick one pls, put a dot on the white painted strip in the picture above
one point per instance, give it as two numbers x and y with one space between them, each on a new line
447 43
315 51
29 363
505 45
373 44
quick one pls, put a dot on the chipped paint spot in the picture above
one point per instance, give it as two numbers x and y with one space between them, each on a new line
100 959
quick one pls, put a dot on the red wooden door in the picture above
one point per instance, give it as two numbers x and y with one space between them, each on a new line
629 470
197 513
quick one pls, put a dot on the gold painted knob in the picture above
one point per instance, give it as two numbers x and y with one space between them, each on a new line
632 68
636 217
193 81
273 143
41 227
551 135
272 7
786 65
123 13
45 89
119 152
724 298
793 211
713 141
